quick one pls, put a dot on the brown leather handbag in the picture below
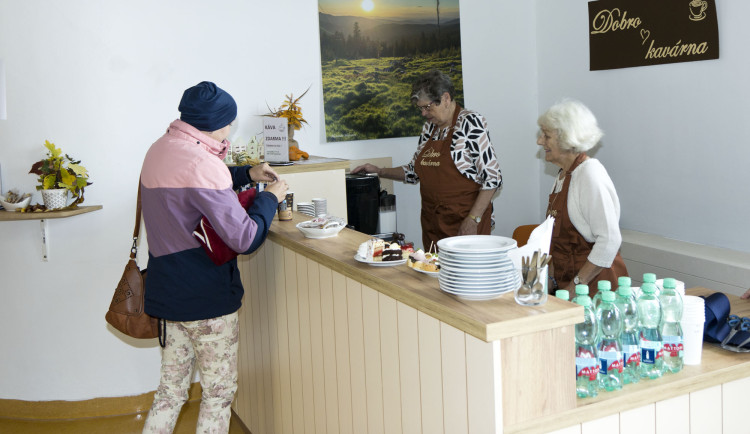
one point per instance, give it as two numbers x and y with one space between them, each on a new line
126 312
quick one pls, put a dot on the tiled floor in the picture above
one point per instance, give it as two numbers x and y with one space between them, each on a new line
108 425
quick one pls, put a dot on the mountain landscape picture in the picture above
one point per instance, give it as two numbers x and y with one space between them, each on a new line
371 53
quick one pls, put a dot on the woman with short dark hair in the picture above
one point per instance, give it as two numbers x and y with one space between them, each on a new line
454 164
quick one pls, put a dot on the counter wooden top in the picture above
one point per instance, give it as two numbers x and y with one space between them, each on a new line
488 320
717 366
313 164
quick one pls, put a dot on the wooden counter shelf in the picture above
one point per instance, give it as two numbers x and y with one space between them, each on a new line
313 164
7 216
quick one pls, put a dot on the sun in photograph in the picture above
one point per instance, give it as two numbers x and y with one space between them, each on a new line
367 5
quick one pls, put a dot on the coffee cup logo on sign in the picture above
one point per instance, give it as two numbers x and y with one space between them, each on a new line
698 9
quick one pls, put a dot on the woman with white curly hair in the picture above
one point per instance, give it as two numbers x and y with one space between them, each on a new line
586 237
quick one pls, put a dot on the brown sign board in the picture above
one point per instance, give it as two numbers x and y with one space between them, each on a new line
627 33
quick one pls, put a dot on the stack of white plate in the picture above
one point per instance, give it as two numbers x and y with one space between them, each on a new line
306 208
477 267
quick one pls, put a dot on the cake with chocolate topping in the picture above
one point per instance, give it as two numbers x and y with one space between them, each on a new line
392 252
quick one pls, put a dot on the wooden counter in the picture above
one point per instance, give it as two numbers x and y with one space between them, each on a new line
334 345
488 320
331 345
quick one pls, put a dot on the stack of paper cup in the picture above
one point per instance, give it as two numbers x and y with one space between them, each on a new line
693 318
321 206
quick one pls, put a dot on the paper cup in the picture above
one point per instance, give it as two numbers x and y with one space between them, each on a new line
692 341
693 319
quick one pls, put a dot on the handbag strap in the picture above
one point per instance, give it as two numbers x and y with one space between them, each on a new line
137 228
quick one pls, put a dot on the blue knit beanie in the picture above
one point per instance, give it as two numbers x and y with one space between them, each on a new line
207 107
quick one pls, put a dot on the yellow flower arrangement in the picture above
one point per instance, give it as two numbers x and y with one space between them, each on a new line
58 171
290 110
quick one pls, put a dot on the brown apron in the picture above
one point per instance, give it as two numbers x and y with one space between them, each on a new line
569 249
447 195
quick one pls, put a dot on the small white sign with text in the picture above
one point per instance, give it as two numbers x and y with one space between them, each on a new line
276 140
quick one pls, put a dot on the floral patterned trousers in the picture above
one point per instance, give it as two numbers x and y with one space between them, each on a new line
212 343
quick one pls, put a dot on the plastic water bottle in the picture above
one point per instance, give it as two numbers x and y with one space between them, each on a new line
563 294
651 278
581 291
671 330
649 335
631 352
610 352
623 281
602 285
587 358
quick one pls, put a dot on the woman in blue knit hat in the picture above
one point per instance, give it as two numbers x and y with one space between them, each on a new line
184 179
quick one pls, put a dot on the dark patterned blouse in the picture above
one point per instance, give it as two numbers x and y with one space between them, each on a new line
471 150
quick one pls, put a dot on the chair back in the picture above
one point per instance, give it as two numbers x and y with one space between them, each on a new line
521 234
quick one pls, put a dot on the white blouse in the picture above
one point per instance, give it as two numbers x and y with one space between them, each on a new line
594 210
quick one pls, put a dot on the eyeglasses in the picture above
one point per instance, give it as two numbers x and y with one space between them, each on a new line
425 108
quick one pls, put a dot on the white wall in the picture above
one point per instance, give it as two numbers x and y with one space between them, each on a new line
675 139
102 80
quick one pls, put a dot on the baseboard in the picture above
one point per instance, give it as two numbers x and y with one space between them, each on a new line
98 407
695 264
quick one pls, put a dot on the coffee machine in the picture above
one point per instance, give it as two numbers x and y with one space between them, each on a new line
363 202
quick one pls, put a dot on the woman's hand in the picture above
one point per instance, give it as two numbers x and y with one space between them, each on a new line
263 173
468 227
279 189
746 295
366 168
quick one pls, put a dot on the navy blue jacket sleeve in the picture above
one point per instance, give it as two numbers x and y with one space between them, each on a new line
262 212
240 176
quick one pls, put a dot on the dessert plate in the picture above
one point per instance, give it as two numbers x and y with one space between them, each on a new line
379 263
429 273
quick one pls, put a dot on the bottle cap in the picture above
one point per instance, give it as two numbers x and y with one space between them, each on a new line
584 301
563 294
670 283
624 281
582 290
608 296
649 277
625 291
604 285
648 288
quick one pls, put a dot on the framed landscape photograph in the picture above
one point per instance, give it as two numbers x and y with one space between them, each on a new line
371 53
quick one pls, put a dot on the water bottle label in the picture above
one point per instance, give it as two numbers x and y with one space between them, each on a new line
673 346
631 354
587 367
651 351
610 361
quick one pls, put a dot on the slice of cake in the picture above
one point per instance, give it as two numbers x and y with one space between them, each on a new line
416 259
371 250
376 246
392 252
